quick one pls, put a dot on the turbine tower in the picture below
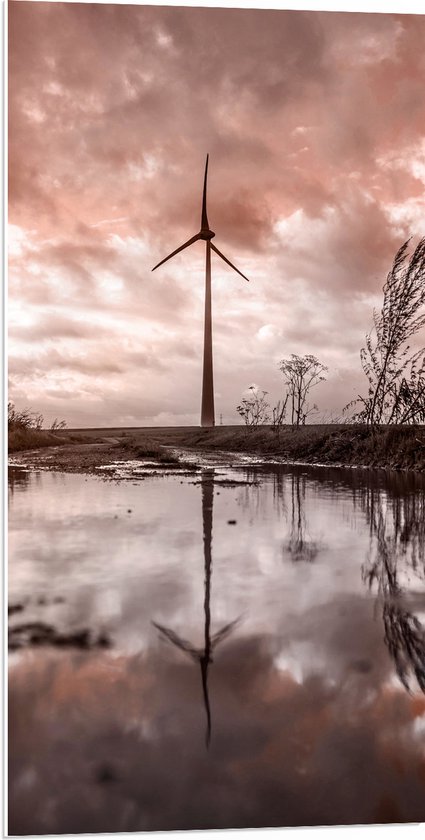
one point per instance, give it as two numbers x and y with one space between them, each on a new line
205 233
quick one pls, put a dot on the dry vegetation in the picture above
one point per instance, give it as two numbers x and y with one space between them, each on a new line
394 370
139 446
395 447
25 430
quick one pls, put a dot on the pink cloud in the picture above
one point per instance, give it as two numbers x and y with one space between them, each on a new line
307 116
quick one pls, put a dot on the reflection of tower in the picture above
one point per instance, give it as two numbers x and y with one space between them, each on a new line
203 655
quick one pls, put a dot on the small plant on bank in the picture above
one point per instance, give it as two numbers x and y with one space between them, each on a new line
19 419
279 415
57 425
254 409
25 429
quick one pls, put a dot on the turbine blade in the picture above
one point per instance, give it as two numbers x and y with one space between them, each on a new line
204 217
224 632
214 247
176 640
182 247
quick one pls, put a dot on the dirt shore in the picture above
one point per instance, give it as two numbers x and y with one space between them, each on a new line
85 450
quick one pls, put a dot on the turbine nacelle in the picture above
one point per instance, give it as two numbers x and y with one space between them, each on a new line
206 234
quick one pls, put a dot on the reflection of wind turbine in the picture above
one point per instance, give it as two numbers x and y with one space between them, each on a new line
207 409
203 655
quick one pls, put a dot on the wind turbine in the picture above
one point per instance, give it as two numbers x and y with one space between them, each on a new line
205 233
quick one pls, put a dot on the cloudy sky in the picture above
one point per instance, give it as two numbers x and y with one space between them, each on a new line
315 126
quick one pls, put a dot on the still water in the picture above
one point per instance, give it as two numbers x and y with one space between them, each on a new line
233 648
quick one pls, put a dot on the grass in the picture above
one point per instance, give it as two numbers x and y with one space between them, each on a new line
394 447
391 447
25 430
145 448
397 447
20 439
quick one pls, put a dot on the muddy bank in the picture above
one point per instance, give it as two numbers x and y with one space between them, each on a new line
86 450
101 458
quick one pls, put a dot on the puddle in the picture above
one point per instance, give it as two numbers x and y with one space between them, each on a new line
250 633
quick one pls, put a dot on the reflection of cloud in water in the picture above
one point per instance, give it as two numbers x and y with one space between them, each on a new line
116 747
395 512
310 726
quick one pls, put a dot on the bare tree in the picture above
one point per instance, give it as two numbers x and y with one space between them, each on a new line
254 409
301 373
396 375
